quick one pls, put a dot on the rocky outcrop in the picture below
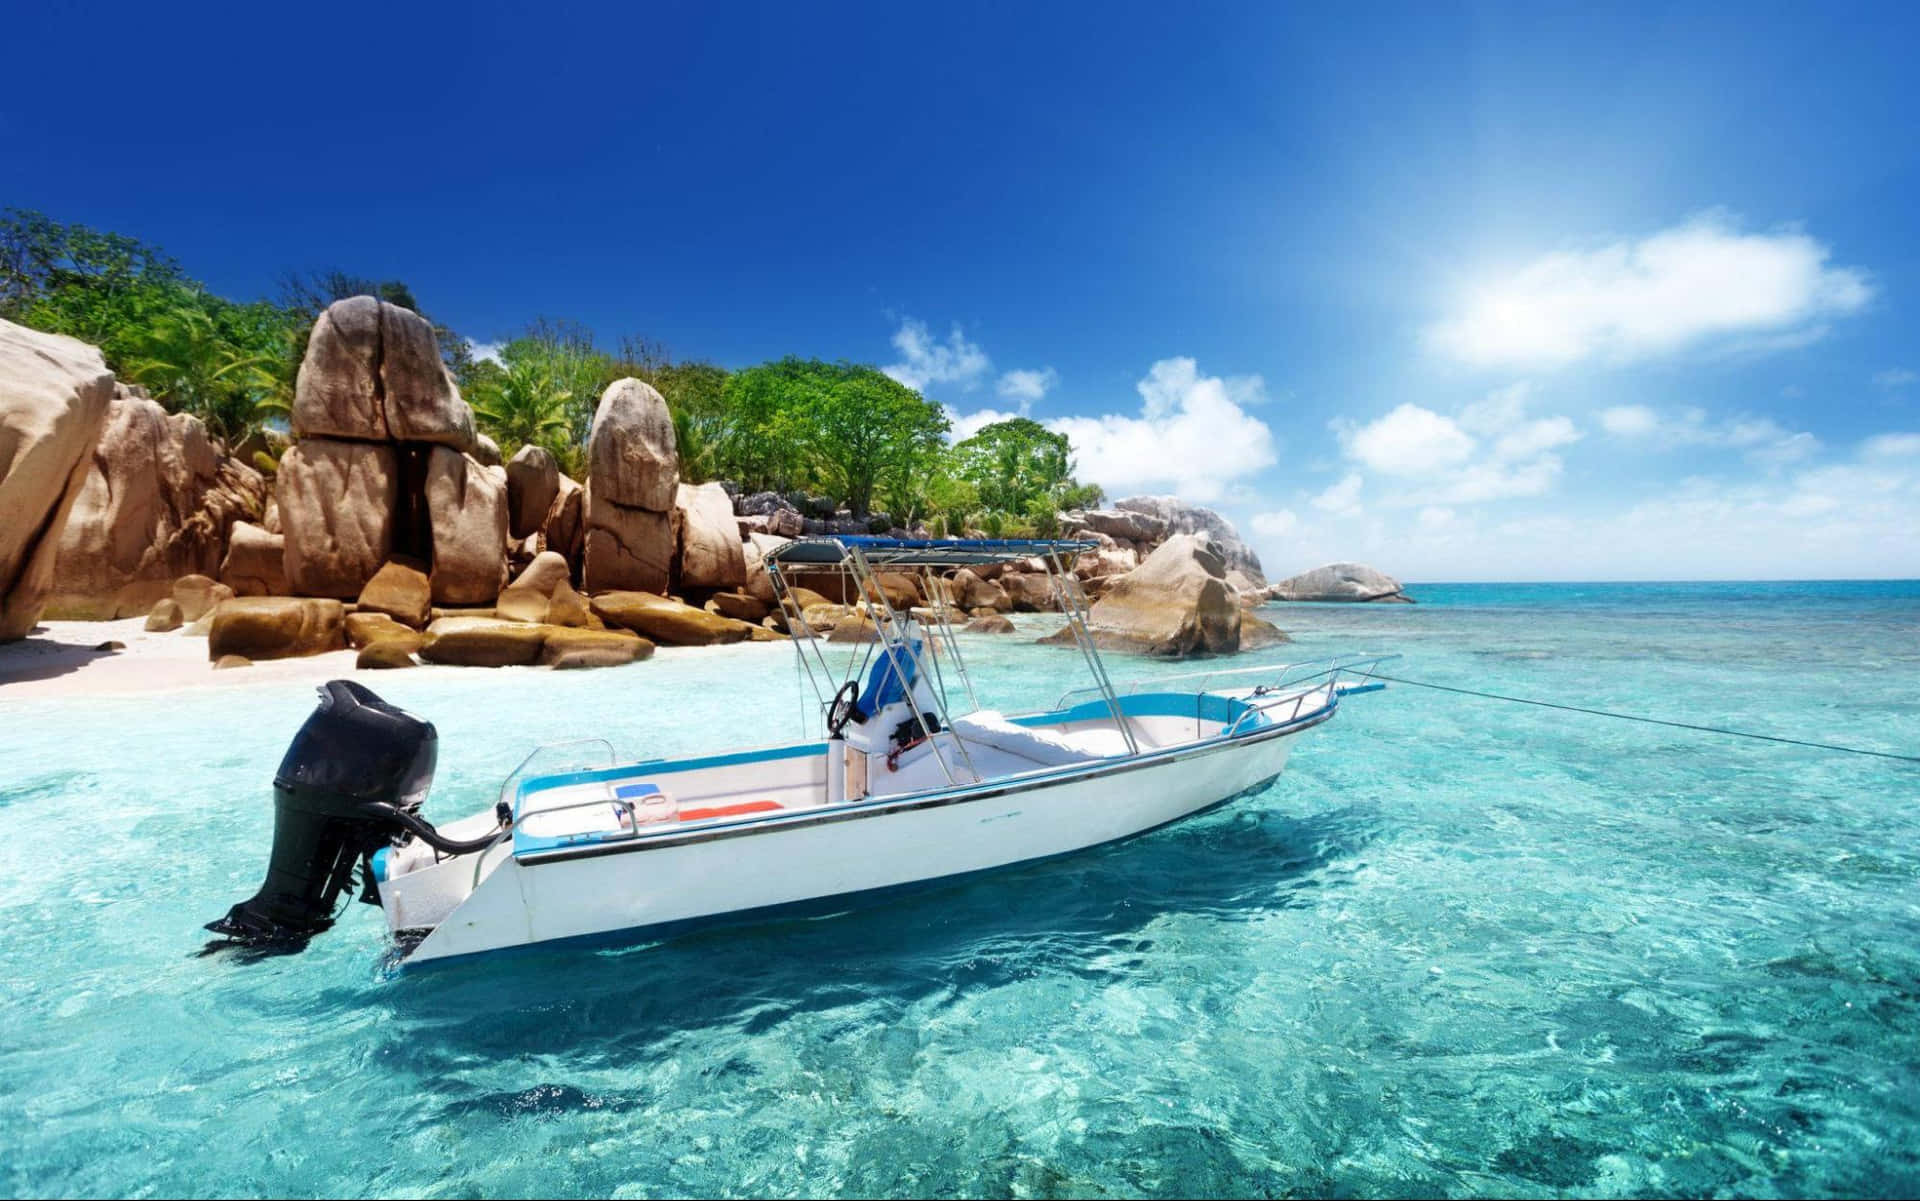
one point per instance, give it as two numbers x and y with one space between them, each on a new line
372 373
337 504
276 627
1350 582
398 591
970 592
1183 518
668 621
158 503
54 394
482 642
386 463
1176 603
533 480
255 562
1121 524
467 512
709 554
564 529
634 477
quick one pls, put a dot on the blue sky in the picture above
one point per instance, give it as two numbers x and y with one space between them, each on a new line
1468 292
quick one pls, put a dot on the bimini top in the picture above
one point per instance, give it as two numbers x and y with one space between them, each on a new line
923 552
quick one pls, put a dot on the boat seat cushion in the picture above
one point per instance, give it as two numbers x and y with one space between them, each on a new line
1049 747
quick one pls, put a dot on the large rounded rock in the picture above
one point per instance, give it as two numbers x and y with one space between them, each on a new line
564 529
632 457
1029 592
709 555
158 502
1339 582
1183 518
1175 604
533 480
421 402
569 649
386 654
545 573
276 627
372 373
739 606
197 596
626 548
336 509
365 628
337 393
467 507
668 621
399 591
1118 523
165 616
970 591
255 562
482 642
54 394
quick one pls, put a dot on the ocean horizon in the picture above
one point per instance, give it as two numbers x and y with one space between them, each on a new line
1459 947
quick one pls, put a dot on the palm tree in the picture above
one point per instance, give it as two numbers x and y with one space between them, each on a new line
182 358
524 406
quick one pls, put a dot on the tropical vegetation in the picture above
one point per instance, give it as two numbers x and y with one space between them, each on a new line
795 425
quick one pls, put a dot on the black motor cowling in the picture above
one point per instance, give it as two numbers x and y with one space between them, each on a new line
351 783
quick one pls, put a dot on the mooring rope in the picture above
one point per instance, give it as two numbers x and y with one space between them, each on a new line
1651 721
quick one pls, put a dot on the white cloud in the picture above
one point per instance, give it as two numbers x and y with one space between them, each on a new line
1896 377
1192 435
1441 463
926 360
1277 524
486 351
1762 439
1410 441
966 425
1699 281
1629 421
1857 517
1343 497
1891 446
1028 386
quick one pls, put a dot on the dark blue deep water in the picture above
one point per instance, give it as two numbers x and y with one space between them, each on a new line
1459 948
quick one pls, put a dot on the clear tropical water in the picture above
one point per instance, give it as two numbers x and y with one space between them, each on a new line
1459 948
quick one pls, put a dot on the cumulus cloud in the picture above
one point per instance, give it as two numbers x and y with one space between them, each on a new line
1891 446
1491 450
1762 439
1192 435
1028 386
926 360
1277 524
488 352
1343 497
966 425
1896 377
1701 281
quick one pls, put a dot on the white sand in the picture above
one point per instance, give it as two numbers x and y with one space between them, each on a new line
58 659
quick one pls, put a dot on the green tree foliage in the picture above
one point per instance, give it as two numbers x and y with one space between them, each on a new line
842 429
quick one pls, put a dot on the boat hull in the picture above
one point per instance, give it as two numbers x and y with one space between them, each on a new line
638 886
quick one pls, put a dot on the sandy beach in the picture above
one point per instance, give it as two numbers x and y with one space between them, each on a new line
61 659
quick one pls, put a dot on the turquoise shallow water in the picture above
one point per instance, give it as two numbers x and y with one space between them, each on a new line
1459 948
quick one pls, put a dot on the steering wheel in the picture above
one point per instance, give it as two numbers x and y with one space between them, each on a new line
842 708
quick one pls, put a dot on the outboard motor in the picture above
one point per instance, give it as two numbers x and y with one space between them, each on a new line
351 783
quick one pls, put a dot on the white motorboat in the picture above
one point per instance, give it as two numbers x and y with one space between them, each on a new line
912 781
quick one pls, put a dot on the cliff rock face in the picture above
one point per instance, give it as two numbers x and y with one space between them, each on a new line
385 464
1183 518
1339 582
634 475
54 394
159 502
1175 604
533 480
